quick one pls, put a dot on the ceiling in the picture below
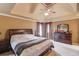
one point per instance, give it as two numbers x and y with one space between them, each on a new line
60 11
6 7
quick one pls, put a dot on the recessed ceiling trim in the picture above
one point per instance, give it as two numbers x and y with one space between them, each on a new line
71 17
3 14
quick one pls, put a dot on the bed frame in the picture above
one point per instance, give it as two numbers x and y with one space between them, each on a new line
11 32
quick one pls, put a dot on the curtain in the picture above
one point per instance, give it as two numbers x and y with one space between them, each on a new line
44 29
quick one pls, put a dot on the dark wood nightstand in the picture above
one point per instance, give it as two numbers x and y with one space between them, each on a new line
3 46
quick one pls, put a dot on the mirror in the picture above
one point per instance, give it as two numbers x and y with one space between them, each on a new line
63 27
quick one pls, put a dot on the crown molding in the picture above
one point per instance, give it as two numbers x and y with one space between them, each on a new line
13 16
67 17
73 16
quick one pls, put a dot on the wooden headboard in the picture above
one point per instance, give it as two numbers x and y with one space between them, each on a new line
11 32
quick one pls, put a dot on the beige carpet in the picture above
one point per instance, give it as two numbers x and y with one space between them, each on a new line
10 53
49 53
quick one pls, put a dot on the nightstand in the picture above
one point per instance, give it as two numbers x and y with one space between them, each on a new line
3 46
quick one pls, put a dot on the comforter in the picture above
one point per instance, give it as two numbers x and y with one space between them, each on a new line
29 45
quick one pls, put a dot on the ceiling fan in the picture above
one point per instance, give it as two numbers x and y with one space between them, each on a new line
48 11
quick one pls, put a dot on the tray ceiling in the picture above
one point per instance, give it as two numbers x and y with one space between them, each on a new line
38 11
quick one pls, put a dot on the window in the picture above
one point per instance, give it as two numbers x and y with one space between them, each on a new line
44 29
40 29
48 28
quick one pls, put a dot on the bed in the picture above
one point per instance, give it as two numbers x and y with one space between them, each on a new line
24 43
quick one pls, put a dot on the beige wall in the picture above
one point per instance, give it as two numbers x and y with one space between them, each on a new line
13 23
73 27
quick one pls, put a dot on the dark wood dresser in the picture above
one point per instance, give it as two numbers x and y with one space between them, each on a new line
64 37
